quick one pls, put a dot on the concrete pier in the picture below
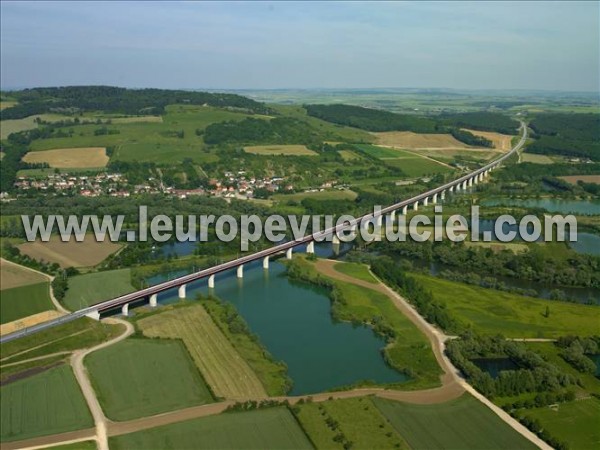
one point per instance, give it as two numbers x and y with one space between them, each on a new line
240 271
426 201
416 206
288 253
443 195
93 315
153 300
181 291
310 248
211 282
266 262
392 217
405 210
125 309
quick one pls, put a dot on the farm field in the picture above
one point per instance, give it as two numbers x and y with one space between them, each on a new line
502 142
263 429
137 119
65 158
490 311
227 373
47 403
573 179
13 275
358 420
90 288
412 164
28 123
85 445
23 301
319 195
28 321
474 154
77 334
415 141
575 423
87 253
151 141
349 155
463 423
141 377
536 159
286 150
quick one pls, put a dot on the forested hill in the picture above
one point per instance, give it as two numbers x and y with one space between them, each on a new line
379 120
567 134
108 99
371 119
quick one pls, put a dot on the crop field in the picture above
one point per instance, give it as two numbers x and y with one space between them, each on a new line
167 141
29 321
410 140
65 158
13 275
573 179
418 166
137 119
87 253
23 301
285 150
47 403
490 311
575 423
28 123
377 151
90 288
77 334
336 194
142 377
463 423
227 373
536 159
358 420
263 429
502 142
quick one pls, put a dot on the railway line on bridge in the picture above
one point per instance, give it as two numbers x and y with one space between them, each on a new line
180 283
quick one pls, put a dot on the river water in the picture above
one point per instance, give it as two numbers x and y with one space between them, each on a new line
293 320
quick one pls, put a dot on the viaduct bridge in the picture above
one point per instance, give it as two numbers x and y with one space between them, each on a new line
151 293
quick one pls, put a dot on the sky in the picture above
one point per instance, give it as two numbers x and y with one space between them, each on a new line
272 45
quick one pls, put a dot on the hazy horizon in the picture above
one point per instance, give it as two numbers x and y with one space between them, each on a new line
537 46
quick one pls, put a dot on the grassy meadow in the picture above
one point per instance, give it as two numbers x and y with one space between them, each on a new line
227 373
142 377
264 429
90 288
464 423
24 301
490 311
356 419
47 403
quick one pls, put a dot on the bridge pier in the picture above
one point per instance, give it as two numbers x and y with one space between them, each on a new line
288 253
481 176
240 271
392 216
416 205
379 220
451 189
94 315
426 201
335 240
211 282
405 210
153 300
476 179
464 186
443 195
266 262
310 248
125 309
434 199
181 291
470 182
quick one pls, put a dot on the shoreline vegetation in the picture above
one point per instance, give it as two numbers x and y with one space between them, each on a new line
406 350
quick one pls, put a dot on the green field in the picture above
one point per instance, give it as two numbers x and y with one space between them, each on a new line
576 423
417 166
408 351
90 288
142 377
80 333
151 141
320 195
356 270
24 301
28 123
85 445
489 311
464 423
273 428
358 420
47 403
379 152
